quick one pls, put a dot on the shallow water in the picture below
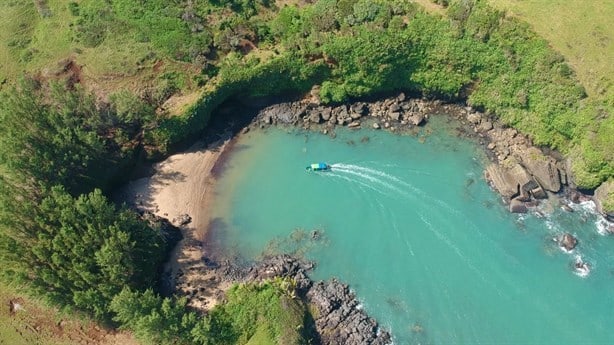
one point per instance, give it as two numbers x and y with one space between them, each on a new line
412 226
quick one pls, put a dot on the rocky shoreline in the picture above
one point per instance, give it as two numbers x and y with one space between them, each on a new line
520 172
338 319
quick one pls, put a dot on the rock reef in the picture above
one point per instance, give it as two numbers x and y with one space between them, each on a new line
339 319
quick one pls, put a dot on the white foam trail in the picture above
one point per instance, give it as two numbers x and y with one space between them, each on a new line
372 179
398 181
397 185
401 237
458 253
381 174
357 181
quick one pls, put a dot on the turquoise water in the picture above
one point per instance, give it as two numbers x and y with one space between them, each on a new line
412 226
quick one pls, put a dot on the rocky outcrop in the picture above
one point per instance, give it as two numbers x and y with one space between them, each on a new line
398 112
568 241
282 113
604 193
509 179
339 319
281 266
519 170
517 206
543 168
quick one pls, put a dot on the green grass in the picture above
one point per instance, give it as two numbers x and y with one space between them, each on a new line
264 314
32 43
16 29
38 324
580 30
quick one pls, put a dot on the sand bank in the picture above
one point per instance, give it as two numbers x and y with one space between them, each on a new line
182 185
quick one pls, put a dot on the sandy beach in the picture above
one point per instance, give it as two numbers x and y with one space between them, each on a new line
182 186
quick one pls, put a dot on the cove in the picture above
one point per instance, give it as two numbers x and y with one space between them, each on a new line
411 225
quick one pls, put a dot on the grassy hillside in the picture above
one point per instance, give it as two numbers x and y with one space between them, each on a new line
104 80
581 30
34 323
38 37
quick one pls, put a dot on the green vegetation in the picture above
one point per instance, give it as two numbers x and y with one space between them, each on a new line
255 314
583 34
477 53
103 80
30 321
77 251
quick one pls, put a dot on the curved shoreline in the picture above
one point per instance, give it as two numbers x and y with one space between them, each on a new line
181 189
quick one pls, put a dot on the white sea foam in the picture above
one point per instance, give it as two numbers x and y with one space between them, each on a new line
581 268
588 206
603 225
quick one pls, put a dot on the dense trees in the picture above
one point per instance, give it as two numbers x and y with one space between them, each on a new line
256 313
86 250
66 241
477 54
77 250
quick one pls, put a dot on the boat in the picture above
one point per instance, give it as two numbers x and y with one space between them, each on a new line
318 167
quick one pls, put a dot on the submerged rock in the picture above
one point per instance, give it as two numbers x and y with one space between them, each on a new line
517 206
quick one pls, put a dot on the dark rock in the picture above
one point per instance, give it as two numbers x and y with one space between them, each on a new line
315 117
542 167
340 320
183 219
507 178
575 196
282 112
359 108
416 119
326 113
517 206
485 126
568 242
394 108
538 193
474 118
